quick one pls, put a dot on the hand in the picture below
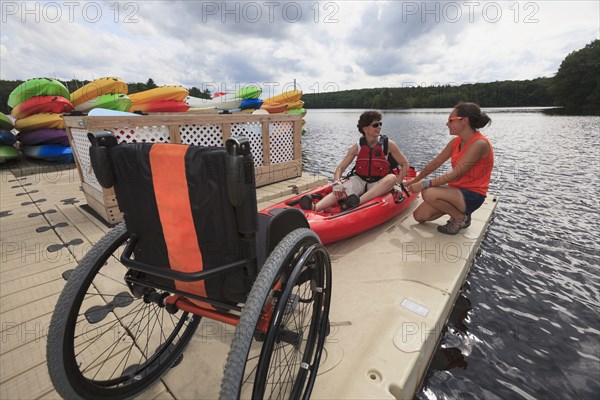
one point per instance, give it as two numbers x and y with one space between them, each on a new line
410 182
339 191
415 187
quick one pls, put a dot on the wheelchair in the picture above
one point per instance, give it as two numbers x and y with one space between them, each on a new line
191 246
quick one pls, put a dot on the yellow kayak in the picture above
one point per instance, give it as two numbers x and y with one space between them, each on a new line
285 97
295 105
176 93
97 88
40 121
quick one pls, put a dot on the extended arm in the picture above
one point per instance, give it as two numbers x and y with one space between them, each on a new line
345 163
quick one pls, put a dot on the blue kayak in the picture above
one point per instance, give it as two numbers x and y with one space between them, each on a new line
50 152
7 138
253 104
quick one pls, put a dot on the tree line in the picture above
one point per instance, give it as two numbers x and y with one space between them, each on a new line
496 94
576 87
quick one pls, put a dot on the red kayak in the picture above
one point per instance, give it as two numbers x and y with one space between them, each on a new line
42 104
333 224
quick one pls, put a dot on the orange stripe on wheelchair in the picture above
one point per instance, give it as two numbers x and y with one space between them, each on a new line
167 162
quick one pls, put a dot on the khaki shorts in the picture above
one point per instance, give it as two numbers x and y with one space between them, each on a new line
356 185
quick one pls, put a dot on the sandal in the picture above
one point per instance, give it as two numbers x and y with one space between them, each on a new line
452 227
350 202
306 203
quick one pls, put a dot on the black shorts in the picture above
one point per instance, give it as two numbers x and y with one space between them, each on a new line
472 200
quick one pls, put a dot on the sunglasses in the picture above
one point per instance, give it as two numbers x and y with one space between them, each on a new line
454 119
377 124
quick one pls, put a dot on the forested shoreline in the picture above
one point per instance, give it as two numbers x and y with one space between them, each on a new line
529 93
575 87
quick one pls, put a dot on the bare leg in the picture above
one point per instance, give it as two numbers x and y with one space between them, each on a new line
439 201
425 213
382 187
326 202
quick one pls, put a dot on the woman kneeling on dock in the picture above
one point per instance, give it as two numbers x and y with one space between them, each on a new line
462 190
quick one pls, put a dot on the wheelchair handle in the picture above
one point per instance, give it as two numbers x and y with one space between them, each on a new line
102 138
238 145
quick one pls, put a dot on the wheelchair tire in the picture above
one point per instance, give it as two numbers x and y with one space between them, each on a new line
104 342
282 360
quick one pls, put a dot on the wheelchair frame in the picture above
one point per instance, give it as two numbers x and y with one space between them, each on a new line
297 272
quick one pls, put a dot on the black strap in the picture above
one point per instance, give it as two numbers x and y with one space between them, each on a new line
385 144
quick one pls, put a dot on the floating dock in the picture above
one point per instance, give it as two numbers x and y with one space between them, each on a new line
393 290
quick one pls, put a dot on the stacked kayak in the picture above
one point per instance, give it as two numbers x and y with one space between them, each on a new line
37 106
36 87
334 224
97 88
7 140
162 99
246 98
50 152
107 93
42 104
289 102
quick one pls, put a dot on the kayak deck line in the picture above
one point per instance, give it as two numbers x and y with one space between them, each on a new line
350 211
394 287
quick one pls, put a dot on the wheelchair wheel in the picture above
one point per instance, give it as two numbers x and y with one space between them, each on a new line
103 341
278 342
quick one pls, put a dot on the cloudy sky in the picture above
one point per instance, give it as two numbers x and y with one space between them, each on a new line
324 45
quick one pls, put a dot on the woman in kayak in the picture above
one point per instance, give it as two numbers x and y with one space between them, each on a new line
371 175
462 190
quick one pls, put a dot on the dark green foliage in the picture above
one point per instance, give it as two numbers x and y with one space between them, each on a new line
577 82
527 93
195 92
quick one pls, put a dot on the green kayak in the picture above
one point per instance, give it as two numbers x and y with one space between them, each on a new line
250 92
37 87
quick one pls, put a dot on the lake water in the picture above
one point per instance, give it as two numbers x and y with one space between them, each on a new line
527 324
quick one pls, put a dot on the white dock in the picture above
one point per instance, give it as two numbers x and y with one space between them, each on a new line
393 289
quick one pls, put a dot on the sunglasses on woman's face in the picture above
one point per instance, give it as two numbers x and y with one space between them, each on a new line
377 124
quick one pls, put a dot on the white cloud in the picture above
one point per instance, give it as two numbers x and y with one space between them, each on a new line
327 45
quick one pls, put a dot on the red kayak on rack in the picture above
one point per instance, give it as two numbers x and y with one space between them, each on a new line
42 104
333 224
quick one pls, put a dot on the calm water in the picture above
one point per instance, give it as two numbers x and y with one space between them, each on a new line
527 324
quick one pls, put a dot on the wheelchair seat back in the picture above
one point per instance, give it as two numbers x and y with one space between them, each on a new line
175 201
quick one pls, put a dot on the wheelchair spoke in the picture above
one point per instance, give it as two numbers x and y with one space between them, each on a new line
105 342
295 346
117 342
112 324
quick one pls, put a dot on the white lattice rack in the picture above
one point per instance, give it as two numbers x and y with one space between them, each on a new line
275 141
